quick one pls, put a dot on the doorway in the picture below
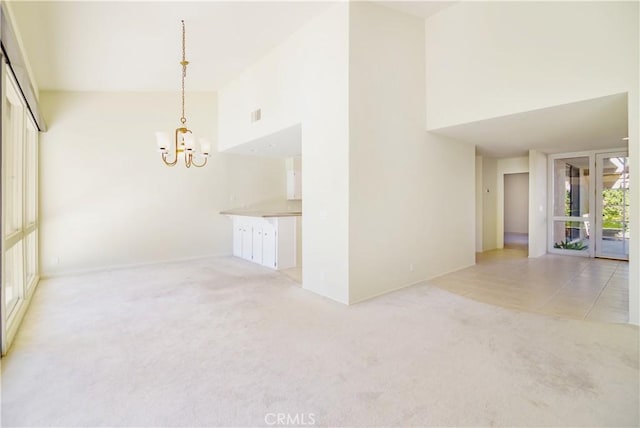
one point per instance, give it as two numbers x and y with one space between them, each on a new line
516 211
590 204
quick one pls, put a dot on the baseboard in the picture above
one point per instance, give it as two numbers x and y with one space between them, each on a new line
409 285
74 272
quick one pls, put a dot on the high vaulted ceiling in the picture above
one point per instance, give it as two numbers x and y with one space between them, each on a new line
88 45
135 46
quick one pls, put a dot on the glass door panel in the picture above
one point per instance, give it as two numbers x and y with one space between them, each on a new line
612 205
571 235
571 228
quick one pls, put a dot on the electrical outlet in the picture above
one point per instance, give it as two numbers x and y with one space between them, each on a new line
410 267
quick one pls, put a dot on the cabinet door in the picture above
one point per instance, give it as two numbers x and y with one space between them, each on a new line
257 244
247 242
237 238
269 247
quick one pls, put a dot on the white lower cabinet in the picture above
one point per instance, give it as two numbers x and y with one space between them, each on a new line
256 245
246 241
269 241
270 248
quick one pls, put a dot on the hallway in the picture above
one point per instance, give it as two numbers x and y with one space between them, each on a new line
561 286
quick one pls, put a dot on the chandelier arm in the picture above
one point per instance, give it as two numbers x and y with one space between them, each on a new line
175 151
193 162
164 159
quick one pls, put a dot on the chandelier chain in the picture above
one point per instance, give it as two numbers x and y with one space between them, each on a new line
184 145
184 63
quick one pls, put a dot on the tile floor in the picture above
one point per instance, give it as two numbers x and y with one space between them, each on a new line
563 286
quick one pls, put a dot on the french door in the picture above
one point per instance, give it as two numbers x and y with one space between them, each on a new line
612 205
589 204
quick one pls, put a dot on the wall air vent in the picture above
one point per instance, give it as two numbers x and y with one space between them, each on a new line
256 115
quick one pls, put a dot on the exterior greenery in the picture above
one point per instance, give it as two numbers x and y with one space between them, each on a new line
615 209
566 245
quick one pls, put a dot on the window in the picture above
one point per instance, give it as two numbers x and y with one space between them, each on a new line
20 206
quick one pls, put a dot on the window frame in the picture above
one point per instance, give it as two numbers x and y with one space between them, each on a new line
22 233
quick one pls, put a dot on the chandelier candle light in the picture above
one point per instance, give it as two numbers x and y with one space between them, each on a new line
184 145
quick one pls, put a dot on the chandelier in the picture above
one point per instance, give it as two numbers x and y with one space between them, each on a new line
184 145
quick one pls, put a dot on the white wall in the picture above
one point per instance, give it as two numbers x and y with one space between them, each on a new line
516 203
274 85
107 199
537 203
306 80
402 182
479 210
8 7
325 154
449 205
490 59
489 203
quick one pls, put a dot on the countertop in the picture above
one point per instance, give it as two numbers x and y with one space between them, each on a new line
262 213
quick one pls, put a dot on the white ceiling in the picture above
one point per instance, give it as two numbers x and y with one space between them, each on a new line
422 9
88 45
135 46
597 123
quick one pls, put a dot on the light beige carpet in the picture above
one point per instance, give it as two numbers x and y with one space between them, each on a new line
224 342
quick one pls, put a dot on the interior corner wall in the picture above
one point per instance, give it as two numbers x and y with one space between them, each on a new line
106 198
537 203
479 204
480 55
489 203
401 180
